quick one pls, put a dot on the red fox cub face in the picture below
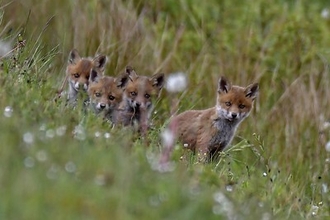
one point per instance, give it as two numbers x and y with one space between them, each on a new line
138 96
141 90
234 103
78 71
105 93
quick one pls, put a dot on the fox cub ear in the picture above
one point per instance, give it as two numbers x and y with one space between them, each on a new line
93 77
100 61
224 86
121 81
158 80
252 91
130 73
74 57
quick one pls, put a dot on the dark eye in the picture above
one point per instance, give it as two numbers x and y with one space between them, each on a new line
76 75
111 97
241 106
133 93
97 94
147 96
228 104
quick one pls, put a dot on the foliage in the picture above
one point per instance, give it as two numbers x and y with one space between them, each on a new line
60 163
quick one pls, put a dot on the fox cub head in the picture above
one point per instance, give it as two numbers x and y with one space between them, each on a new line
140 90
105 92
79 69
234 103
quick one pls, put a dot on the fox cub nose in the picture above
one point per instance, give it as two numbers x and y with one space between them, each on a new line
102 105
234 115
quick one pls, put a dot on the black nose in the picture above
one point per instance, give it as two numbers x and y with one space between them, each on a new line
102 105
233 115
137 104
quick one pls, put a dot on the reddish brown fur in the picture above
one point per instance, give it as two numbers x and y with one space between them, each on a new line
211 130
78 72
138 96
106 93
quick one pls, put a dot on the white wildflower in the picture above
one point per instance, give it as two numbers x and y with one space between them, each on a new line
28 138
327 146
70 167
325 13
176 82
79 132
8 112
60 131
5 48
167 137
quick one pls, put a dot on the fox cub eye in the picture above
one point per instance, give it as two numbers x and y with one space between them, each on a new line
228 104
111 97
76 75
147 96
133 94
241 106
98 94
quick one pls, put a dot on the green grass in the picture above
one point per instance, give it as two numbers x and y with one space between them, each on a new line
277 166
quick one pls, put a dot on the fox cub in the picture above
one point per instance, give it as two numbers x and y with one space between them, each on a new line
137 98
105 93
211 130
78 72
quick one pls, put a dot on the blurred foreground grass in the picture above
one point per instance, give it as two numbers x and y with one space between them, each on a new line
278 167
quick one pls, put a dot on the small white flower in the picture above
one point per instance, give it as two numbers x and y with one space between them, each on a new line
29 162
28 138
70 167
50 133
325 13
60 131
176 82
314 210
97 134
223 206
41 155
79 132
107 135
5 49
43 127
325 188
167 137
327 146
326 125
8 112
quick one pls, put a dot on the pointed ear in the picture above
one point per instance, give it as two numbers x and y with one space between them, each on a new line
93 77
224 86
99 62
158 80
121 81
130 73
252 91
74 57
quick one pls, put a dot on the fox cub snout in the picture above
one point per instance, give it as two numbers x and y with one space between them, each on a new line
78 72
105 93
138 96
211 130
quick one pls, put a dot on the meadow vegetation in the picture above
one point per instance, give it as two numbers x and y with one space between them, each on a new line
61 163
